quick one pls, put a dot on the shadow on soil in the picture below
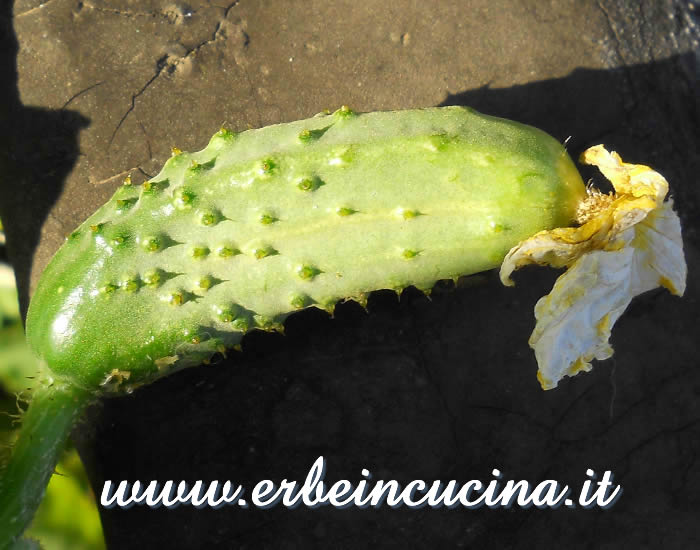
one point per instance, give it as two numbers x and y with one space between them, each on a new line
38 149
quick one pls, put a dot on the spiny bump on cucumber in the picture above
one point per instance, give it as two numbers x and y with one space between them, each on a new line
152 187
224 133
152 243
345 211
184 198
241 324
153 277
307 272
267 167
130 282
309 183
120 239
267 219
199 252
264 252
226 251
197 167
344 112
209 217
206 282
407 213
125 204
108 288
176 298
266 222
227 313
299 301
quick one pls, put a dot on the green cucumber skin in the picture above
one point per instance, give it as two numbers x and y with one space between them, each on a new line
306 213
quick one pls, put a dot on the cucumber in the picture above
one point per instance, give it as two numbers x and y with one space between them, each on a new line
260 224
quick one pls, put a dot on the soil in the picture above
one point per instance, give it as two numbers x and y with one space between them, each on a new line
433 389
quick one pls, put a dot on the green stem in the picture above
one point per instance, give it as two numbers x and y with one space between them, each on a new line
45 428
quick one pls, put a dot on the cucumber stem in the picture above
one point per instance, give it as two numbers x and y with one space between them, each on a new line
46 426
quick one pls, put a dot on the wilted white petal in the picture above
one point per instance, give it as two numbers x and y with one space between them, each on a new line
632 243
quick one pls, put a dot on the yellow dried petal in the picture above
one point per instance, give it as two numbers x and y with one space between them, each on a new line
629 244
